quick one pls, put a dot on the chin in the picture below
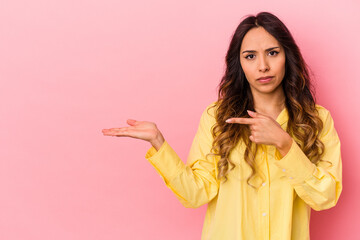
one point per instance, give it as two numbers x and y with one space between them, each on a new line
267 89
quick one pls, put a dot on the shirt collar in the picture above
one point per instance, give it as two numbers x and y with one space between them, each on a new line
283 117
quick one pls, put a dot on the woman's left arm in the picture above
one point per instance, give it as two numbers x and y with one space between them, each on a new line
319 185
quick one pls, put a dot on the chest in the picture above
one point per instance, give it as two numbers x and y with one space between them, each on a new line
263 165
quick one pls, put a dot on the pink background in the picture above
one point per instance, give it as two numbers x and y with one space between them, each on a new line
71 68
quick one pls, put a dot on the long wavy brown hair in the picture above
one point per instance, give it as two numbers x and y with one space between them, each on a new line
235 97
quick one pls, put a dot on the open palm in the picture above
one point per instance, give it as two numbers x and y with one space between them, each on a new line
144 130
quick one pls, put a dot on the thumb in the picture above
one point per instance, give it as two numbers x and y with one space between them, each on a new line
131 122
253 114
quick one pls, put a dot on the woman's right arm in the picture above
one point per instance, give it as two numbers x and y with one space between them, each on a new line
193 183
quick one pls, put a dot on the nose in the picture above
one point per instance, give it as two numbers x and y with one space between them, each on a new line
263 64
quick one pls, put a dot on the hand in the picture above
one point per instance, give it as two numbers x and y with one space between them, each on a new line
265 130
144 130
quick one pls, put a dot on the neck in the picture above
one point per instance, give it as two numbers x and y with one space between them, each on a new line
269 103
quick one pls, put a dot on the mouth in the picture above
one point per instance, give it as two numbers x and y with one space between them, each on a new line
265 79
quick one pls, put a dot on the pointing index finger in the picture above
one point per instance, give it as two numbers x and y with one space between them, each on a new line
241 120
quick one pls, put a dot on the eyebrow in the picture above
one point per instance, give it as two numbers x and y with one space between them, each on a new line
252 51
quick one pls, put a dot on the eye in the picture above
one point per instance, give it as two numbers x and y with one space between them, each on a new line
275 53
247 57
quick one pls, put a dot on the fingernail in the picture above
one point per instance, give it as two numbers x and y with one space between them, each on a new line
228 120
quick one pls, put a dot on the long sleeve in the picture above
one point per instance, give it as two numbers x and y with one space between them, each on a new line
194 183
319 185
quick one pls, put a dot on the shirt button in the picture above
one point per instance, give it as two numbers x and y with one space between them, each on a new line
291 177
264 214
283 170
264 184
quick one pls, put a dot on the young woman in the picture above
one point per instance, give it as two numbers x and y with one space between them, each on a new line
265 153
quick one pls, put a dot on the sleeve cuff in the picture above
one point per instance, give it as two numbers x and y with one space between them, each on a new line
166 162
295 164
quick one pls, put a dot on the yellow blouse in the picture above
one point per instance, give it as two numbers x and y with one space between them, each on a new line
279 209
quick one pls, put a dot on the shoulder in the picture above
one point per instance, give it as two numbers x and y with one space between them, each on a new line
323 112
211 109
325 116
209 112
208 116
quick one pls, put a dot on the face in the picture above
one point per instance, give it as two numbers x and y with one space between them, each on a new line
261 55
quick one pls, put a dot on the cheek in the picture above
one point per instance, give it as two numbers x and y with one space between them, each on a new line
247 70
283 68
280 66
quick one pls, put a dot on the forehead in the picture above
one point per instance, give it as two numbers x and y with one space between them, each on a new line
258 39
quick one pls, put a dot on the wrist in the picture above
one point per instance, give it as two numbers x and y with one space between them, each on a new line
284 144
158 141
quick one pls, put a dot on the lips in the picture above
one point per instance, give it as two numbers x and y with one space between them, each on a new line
265 78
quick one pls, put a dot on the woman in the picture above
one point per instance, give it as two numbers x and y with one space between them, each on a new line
264 153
